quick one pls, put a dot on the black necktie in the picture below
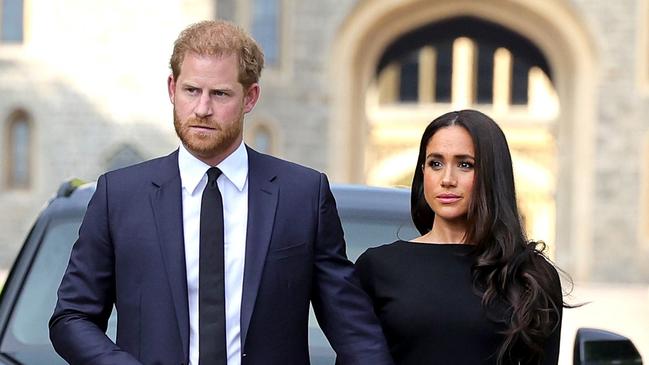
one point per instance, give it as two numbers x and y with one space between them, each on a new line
211 287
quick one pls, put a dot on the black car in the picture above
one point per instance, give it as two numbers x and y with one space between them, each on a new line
370 216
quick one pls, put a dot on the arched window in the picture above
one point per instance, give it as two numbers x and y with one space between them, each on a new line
265 23
262 139
12 21
465 61
19 146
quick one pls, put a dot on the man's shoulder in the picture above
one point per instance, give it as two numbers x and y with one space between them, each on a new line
278 165
161 168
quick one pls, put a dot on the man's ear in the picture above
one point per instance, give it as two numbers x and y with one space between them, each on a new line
171 88
251 97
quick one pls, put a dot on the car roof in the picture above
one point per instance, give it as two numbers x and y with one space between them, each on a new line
354 199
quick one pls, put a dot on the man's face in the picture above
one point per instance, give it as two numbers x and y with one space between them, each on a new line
209 105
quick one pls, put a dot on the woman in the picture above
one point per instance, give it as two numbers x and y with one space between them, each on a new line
472 289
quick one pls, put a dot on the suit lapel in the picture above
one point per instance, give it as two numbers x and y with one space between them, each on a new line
262 204
166 202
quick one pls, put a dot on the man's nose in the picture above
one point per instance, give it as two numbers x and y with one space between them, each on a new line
204 107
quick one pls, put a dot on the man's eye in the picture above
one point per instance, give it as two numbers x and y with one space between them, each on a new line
191 90
220 93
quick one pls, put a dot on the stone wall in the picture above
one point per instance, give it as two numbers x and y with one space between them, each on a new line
98 81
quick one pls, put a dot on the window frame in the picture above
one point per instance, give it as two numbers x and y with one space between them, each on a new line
16 117
254 125
281 71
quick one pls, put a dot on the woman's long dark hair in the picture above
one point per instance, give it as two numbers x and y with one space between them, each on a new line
509 271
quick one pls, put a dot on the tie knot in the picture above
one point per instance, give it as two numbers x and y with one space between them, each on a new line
213 173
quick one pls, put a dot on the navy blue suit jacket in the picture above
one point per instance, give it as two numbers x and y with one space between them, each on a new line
130 253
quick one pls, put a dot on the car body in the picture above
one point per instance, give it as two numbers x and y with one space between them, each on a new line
370 216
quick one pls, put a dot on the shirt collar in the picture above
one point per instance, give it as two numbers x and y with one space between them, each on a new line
192 170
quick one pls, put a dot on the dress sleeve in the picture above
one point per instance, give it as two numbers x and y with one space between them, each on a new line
364 273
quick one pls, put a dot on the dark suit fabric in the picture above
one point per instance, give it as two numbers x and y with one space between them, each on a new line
130 253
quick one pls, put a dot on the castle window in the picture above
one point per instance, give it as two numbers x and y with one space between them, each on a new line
262 139
409 80
486 70
11 30
265 28
18 156
464 61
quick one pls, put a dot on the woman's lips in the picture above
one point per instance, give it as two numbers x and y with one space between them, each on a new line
448 198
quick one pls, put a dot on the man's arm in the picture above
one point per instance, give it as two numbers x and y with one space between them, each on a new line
87 293
344 311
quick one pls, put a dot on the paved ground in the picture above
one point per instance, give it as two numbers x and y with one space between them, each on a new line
623 309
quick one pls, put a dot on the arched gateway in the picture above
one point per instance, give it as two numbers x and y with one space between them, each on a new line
377 119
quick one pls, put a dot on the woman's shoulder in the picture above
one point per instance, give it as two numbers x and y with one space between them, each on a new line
382 252
386 248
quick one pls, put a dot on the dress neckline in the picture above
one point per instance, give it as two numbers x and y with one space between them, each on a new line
413 243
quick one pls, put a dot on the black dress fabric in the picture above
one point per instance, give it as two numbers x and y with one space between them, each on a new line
424 297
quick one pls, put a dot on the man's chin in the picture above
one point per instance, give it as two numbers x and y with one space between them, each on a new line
204 151
208 148
207 151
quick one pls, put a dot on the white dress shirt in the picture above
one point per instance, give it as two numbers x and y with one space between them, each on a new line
233 184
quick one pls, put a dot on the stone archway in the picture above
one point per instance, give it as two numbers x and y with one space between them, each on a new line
551 25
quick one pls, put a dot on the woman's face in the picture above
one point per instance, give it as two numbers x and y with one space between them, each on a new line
448 173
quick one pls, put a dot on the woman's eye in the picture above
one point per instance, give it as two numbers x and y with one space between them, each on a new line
434 164
466 165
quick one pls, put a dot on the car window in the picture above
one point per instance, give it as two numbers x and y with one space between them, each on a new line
362 232
27 336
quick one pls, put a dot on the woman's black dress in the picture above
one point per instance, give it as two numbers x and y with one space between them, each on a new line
424 297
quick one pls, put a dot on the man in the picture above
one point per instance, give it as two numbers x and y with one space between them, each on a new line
232 286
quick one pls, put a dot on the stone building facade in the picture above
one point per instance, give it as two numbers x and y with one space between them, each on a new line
82 90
